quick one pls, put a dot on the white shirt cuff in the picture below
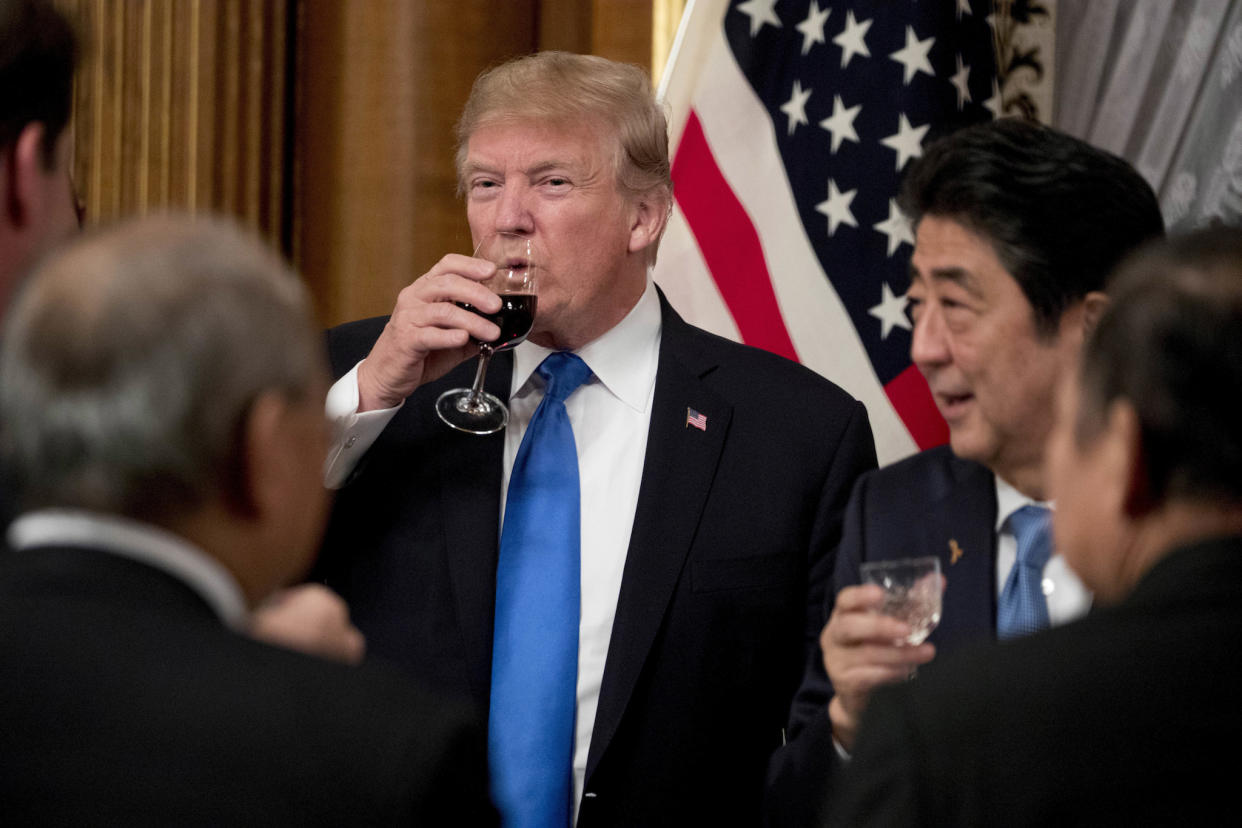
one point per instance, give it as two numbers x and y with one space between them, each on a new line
352 432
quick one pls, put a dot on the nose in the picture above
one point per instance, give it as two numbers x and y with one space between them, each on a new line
929 344
513 214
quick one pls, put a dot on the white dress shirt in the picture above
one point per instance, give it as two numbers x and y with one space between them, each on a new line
1067 598
610 415
139 542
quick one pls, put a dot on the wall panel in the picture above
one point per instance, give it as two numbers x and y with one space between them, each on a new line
183 104
325 125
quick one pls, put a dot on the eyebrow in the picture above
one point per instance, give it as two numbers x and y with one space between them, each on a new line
531 171
957 275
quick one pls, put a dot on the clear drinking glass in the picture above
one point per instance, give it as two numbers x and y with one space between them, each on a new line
473 410
912 590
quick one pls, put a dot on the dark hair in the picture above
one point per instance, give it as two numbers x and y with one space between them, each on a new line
1060 213
1170 344
38 54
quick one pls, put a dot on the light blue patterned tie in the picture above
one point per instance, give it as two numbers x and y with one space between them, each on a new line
1022 608
530 732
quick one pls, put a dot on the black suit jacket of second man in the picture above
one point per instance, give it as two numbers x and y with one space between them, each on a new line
722 592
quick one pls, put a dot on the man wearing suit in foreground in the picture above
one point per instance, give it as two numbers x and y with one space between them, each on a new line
1127 716
1018 226
38 53
162 419
712 476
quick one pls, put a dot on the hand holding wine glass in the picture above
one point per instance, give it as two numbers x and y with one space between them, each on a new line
516 258
428 332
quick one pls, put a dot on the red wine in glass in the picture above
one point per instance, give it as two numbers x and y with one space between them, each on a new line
517 261
515 318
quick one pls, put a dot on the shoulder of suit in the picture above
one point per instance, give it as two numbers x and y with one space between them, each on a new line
351 341
929 473
750 364
358 333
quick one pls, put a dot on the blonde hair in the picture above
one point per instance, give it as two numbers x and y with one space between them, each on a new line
560 87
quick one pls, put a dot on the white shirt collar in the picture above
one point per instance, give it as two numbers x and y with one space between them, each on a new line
624 359
140 542
1010 500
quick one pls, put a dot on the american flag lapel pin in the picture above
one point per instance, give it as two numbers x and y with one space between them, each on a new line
955 551
694 418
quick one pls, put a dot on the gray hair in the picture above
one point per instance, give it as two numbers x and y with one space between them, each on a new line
131 359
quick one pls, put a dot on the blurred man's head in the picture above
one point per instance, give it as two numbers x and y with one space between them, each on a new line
1147 450
38 53
1018 226
168 371
573 151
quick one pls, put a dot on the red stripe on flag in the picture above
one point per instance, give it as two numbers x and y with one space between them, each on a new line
912 399
729 243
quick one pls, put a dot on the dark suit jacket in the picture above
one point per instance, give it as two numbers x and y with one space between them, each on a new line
125 701
923 505
1129 716
722 589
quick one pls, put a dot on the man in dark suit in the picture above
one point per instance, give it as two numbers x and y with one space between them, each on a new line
38 54
711 476
1017 227
162 420
1124 717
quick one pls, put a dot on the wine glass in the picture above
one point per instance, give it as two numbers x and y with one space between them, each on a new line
912 590
517 261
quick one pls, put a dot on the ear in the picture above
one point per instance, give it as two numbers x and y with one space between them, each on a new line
649 216
265 462
1093 306
24 175
1125 439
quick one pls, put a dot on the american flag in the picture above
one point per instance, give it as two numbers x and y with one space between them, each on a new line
792 122
694 418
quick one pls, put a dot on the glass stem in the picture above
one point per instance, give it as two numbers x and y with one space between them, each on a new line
476 390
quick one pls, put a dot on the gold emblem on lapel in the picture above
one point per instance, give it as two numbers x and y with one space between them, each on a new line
955 552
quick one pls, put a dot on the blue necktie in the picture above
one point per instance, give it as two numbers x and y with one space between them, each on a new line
1022 608
530 731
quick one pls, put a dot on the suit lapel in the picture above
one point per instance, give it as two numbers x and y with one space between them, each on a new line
470 474
678 469
963 528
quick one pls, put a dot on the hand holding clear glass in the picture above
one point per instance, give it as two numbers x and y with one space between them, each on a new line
473 410
912 588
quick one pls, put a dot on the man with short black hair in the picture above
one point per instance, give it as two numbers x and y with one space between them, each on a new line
38 54
1124 717
1017 227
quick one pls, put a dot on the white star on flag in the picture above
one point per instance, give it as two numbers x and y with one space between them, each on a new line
760 12
896 227
841 122
795 107
913 56
907 142
837 207
851 39
891 311
961 82
993 104
812 28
